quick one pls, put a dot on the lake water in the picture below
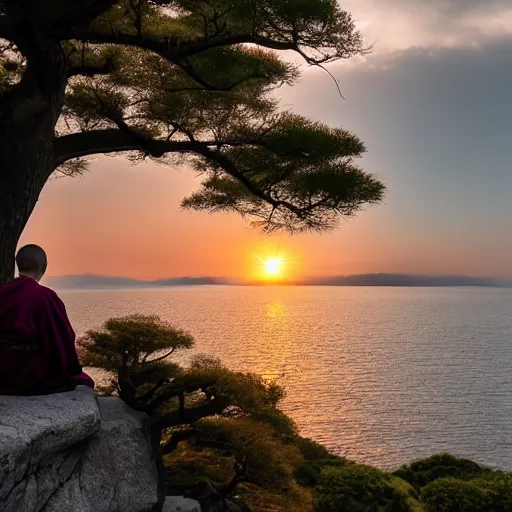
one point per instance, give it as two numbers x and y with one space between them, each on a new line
380 375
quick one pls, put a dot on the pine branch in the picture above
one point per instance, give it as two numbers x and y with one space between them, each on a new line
85 70
173 49
112 140
151 393
161 357
175 439
253 76
108 141
189 416
173 392
231 168
240 468
95 142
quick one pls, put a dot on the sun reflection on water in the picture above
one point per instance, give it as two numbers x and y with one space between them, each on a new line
276 312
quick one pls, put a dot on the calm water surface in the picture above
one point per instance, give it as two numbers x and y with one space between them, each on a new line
380 375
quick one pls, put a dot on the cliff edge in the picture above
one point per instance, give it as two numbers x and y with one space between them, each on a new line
74 452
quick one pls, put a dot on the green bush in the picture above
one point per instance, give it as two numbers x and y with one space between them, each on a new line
311 450
186 467
491 492
308 472
360 488
269 461
452 495
498 489
422 472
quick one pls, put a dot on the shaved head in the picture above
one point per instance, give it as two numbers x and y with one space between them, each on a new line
31 261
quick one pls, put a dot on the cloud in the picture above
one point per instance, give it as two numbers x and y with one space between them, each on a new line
397 25
436 125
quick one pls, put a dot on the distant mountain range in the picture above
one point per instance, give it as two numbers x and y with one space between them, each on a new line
88 281
407 280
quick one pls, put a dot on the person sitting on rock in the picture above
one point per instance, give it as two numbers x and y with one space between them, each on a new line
37 342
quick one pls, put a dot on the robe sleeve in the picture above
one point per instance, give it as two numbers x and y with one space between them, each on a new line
58 339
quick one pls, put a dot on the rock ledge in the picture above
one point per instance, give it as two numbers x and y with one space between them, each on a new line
73 452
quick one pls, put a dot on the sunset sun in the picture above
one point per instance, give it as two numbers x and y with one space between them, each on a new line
273 267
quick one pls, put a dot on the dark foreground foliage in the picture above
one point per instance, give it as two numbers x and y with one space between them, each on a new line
222 433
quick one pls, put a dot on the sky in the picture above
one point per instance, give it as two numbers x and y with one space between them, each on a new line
433 105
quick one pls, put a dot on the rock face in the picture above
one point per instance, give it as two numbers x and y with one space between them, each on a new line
42 440
180 504
71 452
117 472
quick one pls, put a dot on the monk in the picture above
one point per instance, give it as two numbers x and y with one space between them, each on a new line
37 342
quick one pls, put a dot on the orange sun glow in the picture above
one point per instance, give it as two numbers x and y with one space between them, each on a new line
273 267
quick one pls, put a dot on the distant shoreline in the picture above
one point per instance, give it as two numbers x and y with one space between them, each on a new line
96 282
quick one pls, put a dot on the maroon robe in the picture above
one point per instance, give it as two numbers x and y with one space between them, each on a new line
35 314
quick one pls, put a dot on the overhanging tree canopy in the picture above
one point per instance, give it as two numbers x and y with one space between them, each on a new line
166 79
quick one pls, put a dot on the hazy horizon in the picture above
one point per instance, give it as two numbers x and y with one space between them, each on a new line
88 280
432 105
311 276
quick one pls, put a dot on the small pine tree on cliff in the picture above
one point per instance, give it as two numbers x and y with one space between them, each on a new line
203 403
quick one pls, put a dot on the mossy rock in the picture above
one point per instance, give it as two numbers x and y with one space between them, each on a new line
359 488
422 472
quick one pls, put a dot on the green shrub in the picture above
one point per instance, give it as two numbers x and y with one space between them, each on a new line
188 467
491 492
422 472
360 488
452 495
294 499
498 488
269 461
307 475
311 450
308 472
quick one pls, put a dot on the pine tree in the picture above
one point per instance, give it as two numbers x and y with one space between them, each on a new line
173 80
203 403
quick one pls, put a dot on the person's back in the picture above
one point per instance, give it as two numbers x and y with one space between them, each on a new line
37 350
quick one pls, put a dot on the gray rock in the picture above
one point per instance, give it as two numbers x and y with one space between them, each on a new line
180 504
56 457
42 440
117 472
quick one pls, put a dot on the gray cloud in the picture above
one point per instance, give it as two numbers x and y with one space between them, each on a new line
395 25
437 128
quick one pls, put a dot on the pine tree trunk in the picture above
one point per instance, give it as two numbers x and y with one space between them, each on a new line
26 163
8 241
27 132
18 197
